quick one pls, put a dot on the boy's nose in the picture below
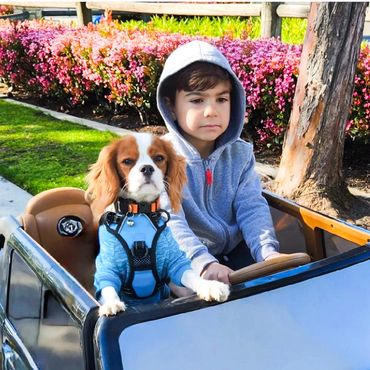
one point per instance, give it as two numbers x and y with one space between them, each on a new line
210 110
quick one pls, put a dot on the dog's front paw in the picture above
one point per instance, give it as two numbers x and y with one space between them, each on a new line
212 290
111 308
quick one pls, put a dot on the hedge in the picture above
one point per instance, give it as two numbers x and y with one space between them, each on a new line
107 67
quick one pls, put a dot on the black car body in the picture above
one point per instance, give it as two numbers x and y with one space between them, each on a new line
308 317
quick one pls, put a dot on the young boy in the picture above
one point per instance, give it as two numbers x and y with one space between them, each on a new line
203 105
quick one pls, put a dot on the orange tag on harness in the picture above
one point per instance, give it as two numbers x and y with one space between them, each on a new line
209 177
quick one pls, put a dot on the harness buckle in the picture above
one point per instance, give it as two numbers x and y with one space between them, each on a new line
140 249
110 217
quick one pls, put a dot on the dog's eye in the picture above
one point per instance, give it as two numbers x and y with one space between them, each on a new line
158 159
128 161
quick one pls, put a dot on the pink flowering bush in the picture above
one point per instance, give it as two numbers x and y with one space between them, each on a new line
268 70
358 125
109 68
25 52
123 67
6 9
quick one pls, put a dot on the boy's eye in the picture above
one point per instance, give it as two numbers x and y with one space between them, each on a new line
223 100
196 101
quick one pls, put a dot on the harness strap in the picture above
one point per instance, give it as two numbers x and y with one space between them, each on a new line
141 258
107 219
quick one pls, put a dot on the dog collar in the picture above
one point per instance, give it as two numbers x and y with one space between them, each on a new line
124 206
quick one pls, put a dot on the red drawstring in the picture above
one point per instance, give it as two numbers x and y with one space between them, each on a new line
209 178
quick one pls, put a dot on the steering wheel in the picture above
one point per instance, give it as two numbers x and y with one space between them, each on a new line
277 264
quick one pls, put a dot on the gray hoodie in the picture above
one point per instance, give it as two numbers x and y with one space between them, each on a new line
216 217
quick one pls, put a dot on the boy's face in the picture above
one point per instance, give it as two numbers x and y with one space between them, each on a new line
203 115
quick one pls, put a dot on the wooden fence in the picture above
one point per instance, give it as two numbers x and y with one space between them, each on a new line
271 13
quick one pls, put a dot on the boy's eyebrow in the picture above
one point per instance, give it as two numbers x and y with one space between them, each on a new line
200 92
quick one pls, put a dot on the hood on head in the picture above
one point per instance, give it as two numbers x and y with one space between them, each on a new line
200 51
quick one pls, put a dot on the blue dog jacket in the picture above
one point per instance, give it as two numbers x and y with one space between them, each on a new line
138 255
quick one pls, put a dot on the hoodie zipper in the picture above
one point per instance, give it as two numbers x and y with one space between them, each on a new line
209 180
209 176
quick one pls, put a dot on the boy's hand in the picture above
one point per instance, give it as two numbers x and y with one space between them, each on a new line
216 271
275 255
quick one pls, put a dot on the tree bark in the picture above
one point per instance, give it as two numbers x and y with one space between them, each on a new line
311 163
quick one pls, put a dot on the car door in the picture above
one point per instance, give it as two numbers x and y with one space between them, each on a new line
38 328
14 354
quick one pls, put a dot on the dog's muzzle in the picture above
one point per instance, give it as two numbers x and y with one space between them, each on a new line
147 170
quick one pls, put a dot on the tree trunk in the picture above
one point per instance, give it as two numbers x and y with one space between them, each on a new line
311 163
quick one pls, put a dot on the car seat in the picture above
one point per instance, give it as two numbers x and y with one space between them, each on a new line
61 221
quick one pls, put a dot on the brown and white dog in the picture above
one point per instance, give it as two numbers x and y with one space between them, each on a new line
140 167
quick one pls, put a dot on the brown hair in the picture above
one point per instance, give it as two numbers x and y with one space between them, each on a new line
196 76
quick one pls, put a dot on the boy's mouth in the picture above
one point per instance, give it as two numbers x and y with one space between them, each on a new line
211 126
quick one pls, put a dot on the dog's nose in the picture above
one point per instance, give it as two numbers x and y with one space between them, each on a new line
147 170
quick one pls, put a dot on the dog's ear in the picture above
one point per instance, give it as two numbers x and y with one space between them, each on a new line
103 180
175 176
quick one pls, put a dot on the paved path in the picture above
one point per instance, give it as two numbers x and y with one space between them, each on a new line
12 198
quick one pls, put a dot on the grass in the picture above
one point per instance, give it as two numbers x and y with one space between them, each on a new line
39 152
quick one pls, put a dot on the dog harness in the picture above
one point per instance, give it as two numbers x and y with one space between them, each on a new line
137 227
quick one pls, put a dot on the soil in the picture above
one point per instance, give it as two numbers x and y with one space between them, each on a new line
356 164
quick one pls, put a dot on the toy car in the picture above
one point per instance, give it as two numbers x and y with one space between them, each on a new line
312 315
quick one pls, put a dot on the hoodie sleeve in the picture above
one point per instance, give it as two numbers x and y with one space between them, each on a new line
174 258
253 214
194 249
110 263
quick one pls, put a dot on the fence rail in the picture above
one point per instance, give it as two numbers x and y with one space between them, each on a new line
270 12
180 8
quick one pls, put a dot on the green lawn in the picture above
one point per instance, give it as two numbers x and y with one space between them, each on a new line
39 152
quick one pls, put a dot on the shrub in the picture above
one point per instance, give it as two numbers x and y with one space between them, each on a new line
292 29
118 69
358 125
268 70
6 9
233 27
25 52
